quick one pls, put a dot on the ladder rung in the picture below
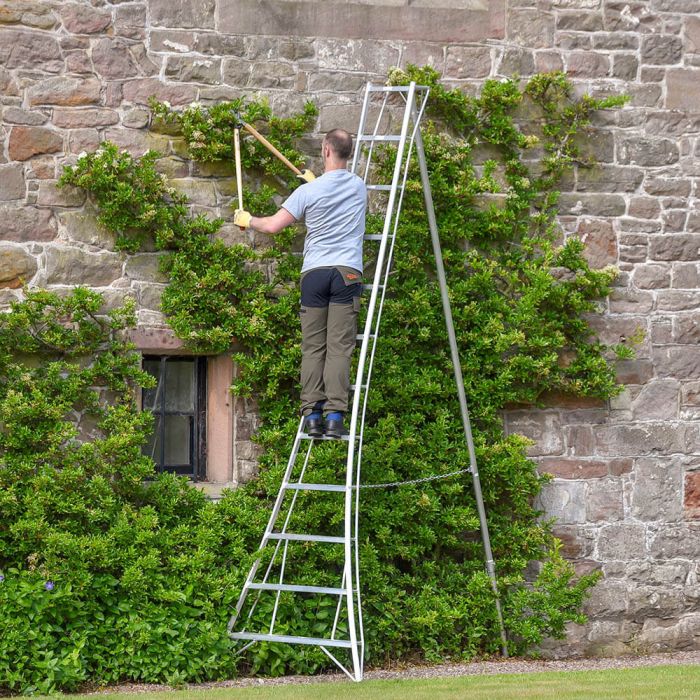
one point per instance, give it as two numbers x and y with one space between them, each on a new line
306 436
380 188
361 336
370 287
305 538
296 486
373 236
379 137
354 386
253 637
293 588
389 88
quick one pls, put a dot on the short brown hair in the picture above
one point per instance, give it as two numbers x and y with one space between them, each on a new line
340 142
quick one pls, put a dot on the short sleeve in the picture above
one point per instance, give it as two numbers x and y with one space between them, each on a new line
296 203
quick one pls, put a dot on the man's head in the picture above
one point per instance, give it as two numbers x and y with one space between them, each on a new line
336 148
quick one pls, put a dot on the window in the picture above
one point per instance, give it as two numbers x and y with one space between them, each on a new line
178 404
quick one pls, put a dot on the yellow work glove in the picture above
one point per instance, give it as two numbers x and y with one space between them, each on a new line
241 218
306 176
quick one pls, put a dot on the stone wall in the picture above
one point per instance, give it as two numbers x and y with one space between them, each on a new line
626 488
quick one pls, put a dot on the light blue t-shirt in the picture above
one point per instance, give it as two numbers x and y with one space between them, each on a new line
334 207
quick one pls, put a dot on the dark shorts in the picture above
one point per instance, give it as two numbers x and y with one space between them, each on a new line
330 285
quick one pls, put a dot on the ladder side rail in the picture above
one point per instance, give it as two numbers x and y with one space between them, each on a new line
459 381
361 363
281 581
367 377
339 604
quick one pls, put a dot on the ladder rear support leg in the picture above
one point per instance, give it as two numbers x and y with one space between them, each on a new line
459 381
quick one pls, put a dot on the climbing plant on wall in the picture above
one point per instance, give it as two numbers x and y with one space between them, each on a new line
519 294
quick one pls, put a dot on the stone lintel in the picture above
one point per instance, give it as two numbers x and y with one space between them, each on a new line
472 21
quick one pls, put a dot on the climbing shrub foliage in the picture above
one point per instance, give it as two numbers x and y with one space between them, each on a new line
143 571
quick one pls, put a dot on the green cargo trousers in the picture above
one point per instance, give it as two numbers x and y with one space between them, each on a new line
330 303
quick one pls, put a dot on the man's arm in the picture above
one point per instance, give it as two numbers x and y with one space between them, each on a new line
264 224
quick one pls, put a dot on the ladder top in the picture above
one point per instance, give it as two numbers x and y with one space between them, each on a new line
393 88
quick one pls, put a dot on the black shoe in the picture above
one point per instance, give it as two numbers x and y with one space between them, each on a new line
334 427
314 425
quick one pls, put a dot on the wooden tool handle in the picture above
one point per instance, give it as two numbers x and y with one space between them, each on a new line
239 174
271 148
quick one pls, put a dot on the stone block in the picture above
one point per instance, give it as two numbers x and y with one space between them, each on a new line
26 224
587 65
542 427
625 66
571 468
49 195
600 240
656 491
571 41
198 14
608 178
236 71
15 115
273 75
151 295
197 70
666 635
73 266
335 81
681 362
625 17
27 49
676 541
548 61
139 91
197 191
604 501
17 266
607 599
577 541
683 89
674 220
423 54
113 60
531 28
12 184
648 95
146 267
468 62
652 276
82 226
621 541
616 41
64 91
677 300
691 498
83 141
686 329
639 439
28 141
675 247
628 301
692 34
563 500
579 21
666 186
69 118
592 204
661 49
648 152
644 207
652 601
84 19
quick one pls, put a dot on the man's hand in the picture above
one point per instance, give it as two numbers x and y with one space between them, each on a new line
306 176
241 218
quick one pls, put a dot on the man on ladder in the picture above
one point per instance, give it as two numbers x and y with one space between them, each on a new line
333 207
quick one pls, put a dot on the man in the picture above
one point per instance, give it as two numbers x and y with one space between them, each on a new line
333 207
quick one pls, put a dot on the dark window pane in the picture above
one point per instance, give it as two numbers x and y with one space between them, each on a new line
179 383
151 397
178 437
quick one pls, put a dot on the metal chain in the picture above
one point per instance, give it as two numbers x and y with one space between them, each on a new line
425 479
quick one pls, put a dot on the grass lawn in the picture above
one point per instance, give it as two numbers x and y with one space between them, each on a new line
650 683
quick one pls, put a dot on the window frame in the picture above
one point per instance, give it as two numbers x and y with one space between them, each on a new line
198 442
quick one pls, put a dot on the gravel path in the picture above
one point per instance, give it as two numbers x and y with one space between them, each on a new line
476 668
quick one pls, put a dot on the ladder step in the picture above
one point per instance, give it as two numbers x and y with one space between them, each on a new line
306 436
379 138
293 588
373 236
370 287
360 337
296 486
295 537
251 636
389 88
354 386
380 188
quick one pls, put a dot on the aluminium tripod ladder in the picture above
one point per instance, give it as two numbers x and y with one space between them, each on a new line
347 630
